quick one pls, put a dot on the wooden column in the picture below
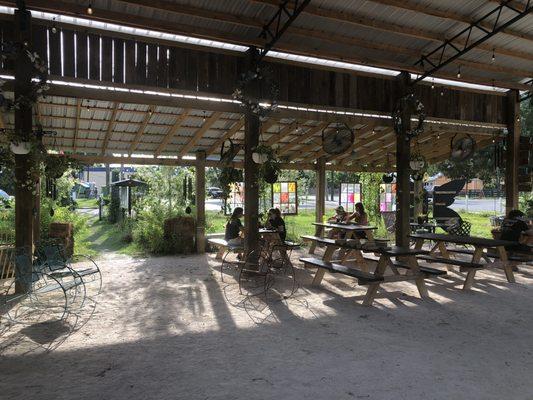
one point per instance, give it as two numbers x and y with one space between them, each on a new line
418 189
252 127
24 198
512 152
200 201
403 154
320 201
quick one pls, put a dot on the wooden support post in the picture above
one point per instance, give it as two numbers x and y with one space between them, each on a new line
24 198
418 190
403 154
200 201
513 148
320 201
252 126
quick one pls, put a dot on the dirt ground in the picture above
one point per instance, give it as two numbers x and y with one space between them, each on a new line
169 328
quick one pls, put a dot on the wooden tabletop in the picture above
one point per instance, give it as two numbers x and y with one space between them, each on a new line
472 240
346 227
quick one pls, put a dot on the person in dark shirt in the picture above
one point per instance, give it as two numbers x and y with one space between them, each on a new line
275 221
512 229
234 227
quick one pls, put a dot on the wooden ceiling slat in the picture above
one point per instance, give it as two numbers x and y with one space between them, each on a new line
199 133
171 132
110 126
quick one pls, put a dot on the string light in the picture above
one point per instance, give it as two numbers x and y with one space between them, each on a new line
90 9
203 120
433 83
459 72
54 28
493 55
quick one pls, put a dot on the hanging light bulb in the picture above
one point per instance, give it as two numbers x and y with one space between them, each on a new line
433 83
90 9
150 112
438 135
54 28
442 92
459 72
493 55
203 120
518 119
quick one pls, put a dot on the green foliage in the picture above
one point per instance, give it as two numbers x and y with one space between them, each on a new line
526 204
370 183
526 110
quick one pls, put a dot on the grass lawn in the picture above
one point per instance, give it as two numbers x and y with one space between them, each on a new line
301 224
102 237
87 203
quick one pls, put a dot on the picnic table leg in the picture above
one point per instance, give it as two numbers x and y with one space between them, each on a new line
420 283
419 244
369 235
444 253
328 254
318 276
220 253
373 287
319 231
507 267
471 274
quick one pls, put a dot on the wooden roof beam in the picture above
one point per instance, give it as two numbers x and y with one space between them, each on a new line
237 126
302 138
110 127
140 131
199 133
171 132
76 124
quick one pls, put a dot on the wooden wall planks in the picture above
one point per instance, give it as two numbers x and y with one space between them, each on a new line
217 73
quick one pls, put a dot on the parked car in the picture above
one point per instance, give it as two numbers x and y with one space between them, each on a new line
215 193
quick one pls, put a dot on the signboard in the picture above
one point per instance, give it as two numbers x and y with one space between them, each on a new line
350 195
284 197
235 198
387 197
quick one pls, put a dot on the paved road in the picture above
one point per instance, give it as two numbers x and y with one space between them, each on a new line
480 205
474 205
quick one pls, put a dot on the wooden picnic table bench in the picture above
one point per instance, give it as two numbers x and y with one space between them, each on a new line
479 244
349 228
374 279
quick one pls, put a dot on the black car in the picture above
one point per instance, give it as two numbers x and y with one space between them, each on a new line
215 193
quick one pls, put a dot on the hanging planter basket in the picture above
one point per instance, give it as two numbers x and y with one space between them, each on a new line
20 148
388 178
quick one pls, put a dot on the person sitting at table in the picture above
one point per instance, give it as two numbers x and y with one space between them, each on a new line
340 216
276 222
360 217
234 227
515 229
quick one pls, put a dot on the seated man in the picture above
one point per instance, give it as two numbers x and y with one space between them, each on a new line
515 229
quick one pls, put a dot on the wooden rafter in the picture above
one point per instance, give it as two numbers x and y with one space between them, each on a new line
199 133
171 132
302 138
237 126
286 130
110 127
76 124
140 131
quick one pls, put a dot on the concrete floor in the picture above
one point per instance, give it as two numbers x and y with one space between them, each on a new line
169 328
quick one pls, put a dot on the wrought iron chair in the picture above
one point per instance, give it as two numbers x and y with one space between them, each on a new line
52 255
460 228
35 292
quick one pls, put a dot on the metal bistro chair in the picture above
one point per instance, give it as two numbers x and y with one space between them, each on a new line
52 254
35 292
460 228
268 268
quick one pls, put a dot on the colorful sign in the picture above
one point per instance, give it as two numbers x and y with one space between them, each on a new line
351 194
387 197
284 197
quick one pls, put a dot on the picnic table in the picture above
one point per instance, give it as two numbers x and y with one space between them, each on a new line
429 226
348 228
479 244
404 258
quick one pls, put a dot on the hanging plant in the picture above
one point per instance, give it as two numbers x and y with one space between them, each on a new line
228 176
270 167
388 178
264 102
10 51
409 105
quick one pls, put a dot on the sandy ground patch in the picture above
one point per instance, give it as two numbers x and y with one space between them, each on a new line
169 328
